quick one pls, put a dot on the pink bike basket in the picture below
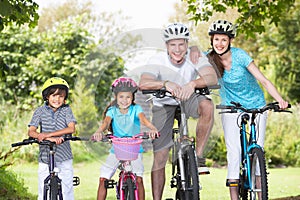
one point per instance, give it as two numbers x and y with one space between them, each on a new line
126 148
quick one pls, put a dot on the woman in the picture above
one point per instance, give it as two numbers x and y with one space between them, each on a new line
238 77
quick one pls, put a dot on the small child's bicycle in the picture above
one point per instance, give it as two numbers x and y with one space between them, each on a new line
126 149
52 184
253 172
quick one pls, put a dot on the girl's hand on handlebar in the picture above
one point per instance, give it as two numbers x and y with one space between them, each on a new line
98 136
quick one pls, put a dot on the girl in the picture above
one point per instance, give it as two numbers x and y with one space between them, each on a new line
124 117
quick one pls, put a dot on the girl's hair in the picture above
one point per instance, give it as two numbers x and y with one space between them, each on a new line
215 60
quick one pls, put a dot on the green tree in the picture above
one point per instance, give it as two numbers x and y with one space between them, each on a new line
252 16
19 12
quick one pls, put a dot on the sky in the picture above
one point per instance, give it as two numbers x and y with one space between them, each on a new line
143 13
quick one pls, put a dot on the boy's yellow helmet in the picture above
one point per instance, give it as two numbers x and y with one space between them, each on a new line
54 82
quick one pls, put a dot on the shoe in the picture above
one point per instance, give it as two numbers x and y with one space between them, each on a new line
202 168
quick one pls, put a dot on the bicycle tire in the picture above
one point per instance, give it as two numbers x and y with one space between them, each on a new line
129 190
53 192
192 177
259 185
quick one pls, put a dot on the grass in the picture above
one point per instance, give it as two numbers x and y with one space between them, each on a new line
282 182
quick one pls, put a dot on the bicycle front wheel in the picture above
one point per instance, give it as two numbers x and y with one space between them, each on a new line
55 189
258 179
191 189
129 190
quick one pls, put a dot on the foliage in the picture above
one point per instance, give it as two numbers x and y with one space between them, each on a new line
18 12
12 187
276 53
252 16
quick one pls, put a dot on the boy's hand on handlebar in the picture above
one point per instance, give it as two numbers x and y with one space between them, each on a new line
57 140
42 136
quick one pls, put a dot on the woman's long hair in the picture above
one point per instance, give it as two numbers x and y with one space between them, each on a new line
215 60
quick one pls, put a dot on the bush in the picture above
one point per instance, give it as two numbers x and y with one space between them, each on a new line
12 187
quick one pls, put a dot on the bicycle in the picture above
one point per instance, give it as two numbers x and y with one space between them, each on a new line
126 150
184 160
252 182
52 183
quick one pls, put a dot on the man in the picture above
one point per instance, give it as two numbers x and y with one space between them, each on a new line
174 71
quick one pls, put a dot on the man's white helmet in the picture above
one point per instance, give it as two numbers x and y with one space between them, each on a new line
176 31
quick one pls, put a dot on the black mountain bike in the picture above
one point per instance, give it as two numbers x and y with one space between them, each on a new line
253 170
185 176
52 184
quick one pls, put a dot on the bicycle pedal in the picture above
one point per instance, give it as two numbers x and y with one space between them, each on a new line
76 180
109 183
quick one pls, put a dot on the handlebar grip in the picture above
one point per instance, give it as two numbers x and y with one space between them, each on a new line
17 144
214 87
149 91
223 107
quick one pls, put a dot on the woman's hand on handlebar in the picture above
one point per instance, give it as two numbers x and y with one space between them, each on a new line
283 104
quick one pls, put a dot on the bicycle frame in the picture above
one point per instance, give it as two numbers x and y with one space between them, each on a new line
247 144
180 144
52 177
123 176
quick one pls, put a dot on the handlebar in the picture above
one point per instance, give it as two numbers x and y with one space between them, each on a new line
236 106
161 93
32 140
109 137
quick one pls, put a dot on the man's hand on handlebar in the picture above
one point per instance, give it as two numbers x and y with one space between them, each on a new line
186 92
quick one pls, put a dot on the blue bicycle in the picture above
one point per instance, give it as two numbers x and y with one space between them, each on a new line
252 182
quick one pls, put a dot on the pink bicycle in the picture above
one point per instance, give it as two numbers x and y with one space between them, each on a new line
126 150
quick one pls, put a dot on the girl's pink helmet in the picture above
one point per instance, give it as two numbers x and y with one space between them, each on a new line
124 84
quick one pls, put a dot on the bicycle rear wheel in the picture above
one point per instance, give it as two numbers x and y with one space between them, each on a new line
259 180
191 190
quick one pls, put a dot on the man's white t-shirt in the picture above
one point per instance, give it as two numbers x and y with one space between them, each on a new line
162 69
